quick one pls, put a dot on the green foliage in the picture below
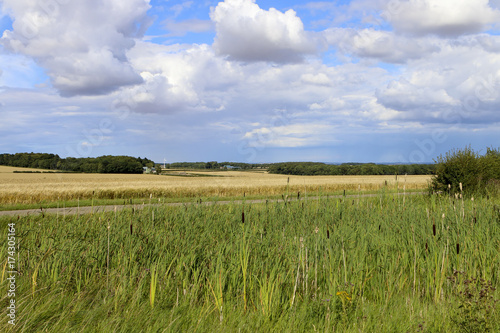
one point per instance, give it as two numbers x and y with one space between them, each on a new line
102 164
30 160
215 165
336 265
315 169
476 173
475 304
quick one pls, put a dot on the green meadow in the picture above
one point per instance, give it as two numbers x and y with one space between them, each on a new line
382 264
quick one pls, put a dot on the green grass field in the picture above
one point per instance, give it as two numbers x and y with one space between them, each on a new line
383 264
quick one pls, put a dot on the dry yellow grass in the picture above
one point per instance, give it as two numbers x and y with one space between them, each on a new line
36 187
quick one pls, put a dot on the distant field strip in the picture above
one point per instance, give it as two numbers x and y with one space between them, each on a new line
22 188
110 208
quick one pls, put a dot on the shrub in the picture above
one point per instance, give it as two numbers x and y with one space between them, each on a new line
477 173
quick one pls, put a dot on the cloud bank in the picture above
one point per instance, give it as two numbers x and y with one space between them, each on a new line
82 45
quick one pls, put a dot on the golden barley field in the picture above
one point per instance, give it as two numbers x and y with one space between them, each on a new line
36 187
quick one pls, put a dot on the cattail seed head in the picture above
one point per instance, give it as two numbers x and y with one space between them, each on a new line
434 229
458 248
327 233
243 217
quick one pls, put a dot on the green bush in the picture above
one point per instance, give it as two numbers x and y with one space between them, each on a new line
476 173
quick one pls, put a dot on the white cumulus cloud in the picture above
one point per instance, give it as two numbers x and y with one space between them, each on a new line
248 33
382 45
447 18
81 44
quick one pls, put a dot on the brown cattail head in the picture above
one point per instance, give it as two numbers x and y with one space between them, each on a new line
379 226
458 248
298 195
131 229
434 229
327 233
426 247
242 217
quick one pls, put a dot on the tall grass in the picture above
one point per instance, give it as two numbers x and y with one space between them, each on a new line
333 265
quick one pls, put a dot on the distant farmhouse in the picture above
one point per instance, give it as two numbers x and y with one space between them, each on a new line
229 167
148 170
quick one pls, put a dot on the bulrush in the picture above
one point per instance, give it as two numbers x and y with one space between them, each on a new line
243 217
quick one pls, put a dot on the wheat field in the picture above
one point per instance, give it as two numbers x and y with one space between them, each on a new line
36 187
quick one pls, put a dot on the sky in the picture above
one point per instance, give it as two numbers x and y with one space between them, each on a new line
250 80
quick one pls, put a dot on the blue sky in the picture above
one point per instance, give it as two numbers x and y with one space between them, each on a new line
250 81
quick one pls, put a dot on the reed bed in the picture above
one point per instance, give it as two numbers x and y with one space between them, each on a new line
383 264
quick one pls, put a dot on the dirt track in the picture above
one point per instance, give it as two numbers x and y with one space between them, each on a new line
100 209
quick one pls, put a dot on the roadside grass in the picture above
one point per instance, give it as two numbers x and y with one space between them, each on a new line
86 202
381 264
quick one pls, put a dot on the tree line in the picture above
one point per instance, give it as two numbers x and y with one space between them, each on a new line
215 165
102 164
315 169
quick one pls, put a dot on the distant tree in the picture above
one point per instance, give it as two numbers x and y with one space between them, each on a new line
158 169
